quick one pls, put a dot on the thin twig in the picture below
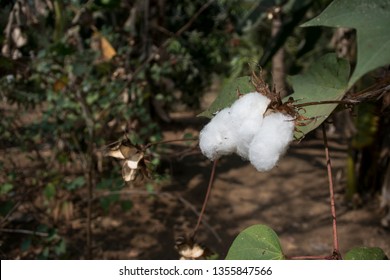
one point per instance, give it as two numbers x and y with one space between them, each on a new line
353 99
193 18
25 231
190 152
5 219
346 102
206 197
336 250
89 169
90 186
168 41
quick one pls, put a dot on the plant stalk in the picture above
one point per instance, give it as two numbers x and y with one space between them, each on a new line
206 197
89 169
336 251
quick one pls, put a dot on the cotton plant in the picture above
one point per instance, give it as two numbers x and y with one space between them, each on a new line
253 128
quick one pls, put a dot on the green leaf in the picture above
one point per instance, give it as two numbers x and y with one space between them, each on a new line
228 95
44 255
365 253
76 183
80 69
92 97
49 191
5 207
325 80
25 245
126 205
6 188
257 242
107 201
367 124
105 183
371 19
60 248
150 188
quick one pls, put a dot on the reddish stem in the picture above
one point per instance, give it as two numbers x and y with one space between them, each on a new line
336 251
206 198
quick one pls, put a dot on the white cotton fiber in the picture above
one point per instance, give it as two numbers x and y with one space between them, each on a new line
246 132
249 106
247 115
271 141
218 138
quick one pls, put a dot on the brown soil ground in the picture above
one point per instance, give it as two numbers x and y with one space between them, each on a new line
293 199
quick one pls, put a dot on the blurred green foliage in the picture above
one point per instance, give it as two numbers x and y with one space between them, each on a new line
77 75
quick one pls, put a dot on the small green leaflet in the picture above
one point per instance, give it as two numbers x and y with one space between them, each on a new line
371 19
258 242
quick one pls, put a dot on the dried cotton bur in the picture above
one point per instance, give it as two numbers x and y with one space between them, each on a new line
258 127
188 249
134 166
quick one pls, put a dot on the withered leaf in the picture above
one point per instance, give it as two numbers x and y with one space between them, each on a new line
100 43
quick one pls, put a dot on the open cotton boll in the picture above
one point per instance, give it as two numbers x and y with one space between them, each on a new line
248 106
247 116
245 133
271 141
218 138
232 129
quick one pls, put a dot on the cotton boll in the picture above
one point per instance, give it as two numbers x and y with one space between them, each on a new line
232 129
271 141
245 133
249 106
216 143
218 138
247 116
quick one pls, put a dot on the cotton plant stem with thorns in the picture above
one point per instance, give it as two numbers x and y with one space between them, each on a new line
206 198
336 251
